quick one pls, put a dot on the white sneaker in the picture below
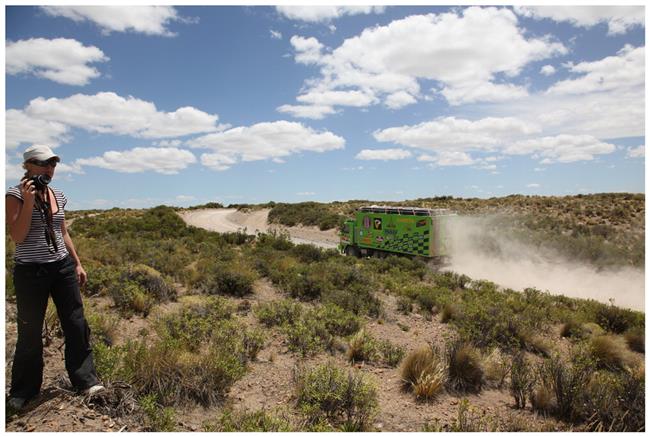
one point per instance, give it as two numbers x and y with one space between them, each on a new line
94 389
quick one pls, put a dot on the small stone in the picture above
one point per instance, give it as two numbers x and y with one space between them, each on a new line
379 425
104 417
30 428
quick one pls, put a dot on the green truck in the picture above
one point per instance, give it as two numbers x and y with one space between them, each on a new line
382 230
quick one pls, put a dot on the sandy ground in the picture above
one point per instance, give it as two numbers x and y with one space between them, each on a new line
231 220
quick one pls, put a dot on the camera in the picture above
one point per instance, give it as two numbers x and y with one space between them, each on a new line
41 181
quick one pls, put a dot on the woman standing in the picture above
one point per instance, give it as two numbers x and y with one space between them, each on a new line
46 263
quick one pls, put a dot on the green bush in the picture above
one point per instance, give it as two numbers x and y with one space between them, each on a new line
278 312
319 327
346 399
159 419
609 352
220 277
521 379
568 380
618 320
103 327
635 339
139 287
615 402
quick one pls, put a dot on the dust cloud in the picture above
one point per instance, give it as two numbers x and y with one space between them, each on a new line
481 249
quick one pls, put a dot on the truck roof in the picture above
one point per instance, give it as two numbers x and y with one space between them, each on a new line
402 210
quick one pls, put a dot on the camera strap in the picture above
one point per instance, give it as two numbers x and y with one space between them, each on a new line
43 206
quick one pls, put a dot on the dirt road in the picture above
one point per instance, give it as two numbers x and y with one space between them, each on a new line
231 220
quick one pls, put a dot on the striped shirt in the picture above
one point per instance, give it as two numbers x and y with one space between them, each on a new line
34 249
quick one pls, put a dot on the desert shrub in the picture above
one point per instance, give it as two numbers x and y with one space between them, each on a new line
319 327
362 347
177 375
230 278
158 418
356 299
195 322
617 320
542 399
305 213
615 402
103 327
609 352
347 399
139 287
635 339
278 312
391 354
108 362
496 367
274 240
131 297
464 367
404 304
307 253
573 329
567 380
244 421
424 371
100 278
451 280
521 379
449 312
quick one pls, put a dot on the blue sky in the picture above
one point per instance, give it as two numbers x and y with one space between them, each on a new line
188 105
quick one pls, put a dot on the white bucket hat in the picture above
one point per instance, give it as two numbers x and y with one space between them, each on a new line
39 152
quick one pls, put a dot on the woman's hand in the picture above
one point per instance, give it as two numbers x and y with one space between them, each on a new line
81 275
28 191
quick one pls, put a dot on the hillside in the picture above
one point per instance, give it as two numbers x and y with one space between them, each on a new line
202 331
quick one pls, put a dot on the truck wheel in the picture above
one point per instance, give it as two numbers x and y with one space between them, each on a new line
351 251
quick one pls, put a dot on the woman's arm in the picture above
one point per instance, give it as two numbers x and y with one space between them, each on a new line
19 213
81 273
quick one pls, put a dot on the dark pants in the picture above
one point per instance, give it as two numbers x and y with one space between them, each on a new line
33 284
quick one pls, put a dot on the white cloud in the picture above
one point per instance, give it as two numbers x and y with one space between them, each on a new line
547 70
619 19
383 154
21 128
308 50
109 113
533 185
150 20
453 134
275 34
60 60
160 160
325 13
399 100
450 48
625 70
636 152
13 171
272 140
306 193
331 98
451 140
307 111
561 148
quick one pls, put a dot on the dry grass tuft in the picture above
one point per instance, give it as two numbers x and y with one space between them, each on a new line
424 372
465 371
609 352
